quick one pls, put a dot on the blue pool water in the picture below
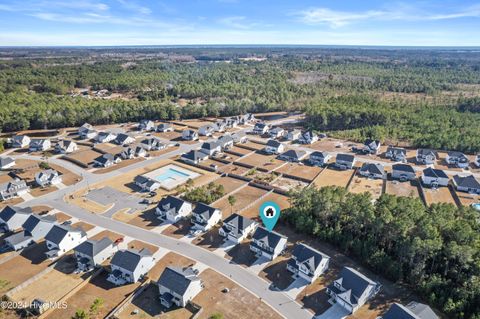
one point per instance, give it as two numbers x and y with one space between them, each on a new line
476 206
171 174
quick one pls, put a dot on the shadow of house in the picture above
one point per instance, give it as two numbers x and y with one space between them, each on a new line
210 239
36 254
149 216
278 274
242 255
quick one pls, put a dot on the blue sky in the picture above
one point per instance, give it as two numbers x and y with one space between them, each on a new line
176 22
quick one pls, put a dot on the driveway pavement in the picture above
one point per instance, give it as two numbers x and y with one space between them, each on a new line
334 312
108 195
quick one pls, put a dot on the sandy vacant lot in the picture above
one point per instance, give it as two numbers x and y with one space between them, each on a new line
301 171
253 211
260 160
84 156
361 184
244 197
407 189
333 177
287 184
229 183
468 199
440 195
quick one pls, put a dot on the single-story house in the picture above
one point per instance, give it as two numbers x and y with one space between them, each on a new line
48 177
13 188
274 147
276 132
204 217
107 160
308 137
66 147
20 141
294 135
124 139
236 228
178 286
92 253
194 157
146 125
189 135
403 172
261 128
396 154
164 127
105 137
307 262
39 145
372 170
206 130
35 228
129 266
434 177
426 156
146 184
267 244
414 310
371 146
6 162
293 155
319 158
352 289
468 184
12 218
210 148
344 161
173 209
63 238
458 159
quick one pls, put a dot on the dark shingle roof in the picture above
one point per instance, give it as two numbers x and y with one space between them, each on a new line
177 279
58 232
238 221
309 256
319 154
170 202
9 211
294 154
398 311
435 173
129 259
372 168
403 168
345 158
423 311
273 143
204 210
355 281
270 239
93 247
466 181
194 155
6 160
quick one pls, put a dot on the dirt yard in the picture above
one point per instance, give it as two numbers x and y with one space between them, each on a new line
252 145
234 169
85 226
260 160
288 183
333 177
361 184
244 197
146 219
253 211
229 183
123 163
439 195
301 171
84 156
406 189
240 150
468 199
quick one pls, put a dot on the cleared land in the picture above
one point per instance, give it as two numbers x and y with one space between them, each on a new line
229 184
361 184
244 197
333 177
302 171
253 211
468 199
260 160
439 195
85 157
406 189
287 184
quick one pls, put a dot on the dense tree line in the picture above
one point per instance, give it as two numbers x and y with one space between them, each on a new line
436 249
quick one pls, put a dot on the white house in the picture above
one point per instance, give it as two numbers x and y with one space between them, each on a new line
352 289
371 146
20 141
426 156
13 188
129 266
239 137
107 160
236 228
308 137
293 155
48 177
211 148
84 128
372 170
319 158
35 228
63 238
105 137
146 184
146 125
124 139
12 218
434 177
458 159
294 135
467 184
226 141
261 128
267 244
66 147
344 161
88 134
206 130
477 160
92 253
39 145
307 263
204 217
173 209
396 154
194 157
178 286
274 147
189 135
6 162
164 127
276 132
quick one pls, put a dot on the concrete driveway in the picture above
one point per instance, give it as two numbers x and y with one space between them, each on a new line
334 312
108 195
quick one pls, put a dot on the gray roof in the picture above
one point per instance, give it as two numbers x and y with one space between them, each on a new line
105 158
298 154
33 220
9 211
319 154
204 210
122 137
426 152
225 139
170 202
210 145
372 144
355 282
372 168
403 168
129 259
140 179
93 247
13 185
277 130
239 222
6 160
270 239
18 238
413 310
58 232
194 155
273 143
345 158
177 279
46 175
435 173
308 256
466 181
423 311
397 150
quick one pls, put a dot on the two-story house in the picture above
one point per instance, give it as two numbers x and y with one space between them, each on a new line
13 217
274 147
194 157
457 159
403 172
426 156
92 253
371 146
293 155
261 128
434 178
20 141
414 310
146 125
63 238
237 228
308 137
105 137
189 135
318 158
204 217
164 127
14 188
226 141
177 286
39 145
307 263
206 130
276 132
129 266
48 177
352 289
35 228
396 154
467 184
6 163
267 244
173 209
210 148
107 160
124 139
146 184
372 170
294 135
344 161
66 147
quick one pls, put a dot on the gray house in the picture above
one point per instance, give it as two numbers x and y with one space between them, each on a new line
307 263
293 155
276 132
468 184
413 310
371 146
211 148
92 253
396 154
261 128
344 161
189 135
274 147
294 135
146 125
204 217
239 137
308 137
319 158
173 209
146 184
35 229
267 244
206 130
129 266
194 157
13 188
39 145
372 170
164 127
152 144
226 141
403 172
458 159
352 289
434 177
6 162
178 286
236 228
12 218
426 156
20 141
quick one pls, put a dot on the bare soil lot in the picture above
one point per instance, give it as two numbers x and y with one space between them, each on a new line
334 145
439 195
263 161
123 163
302 171
229 183
169 135
252 145
288 183
361 184
333 177
146 219
234 169
244 197
179 229
27 169
85 226
241 255
406 189
467 199
240 150
139 245
85 157
253 211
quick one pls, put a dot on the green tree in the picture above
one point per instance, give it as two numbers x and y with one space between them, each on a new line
232 200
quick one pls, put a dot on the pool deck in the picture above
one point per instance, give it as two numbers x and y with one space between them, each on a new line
171 182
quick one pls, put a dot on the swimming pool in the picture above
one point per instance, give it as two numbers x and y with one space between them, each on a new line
171 173
476 206
171 176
